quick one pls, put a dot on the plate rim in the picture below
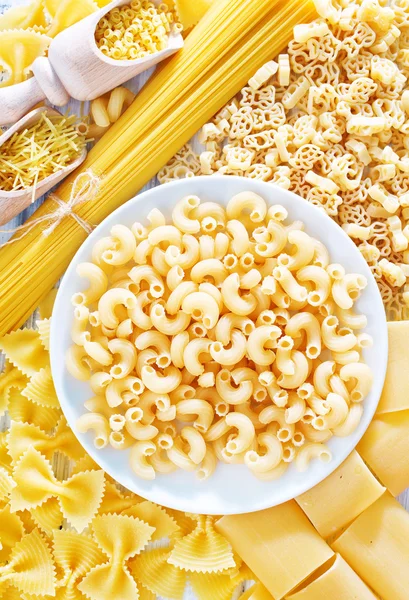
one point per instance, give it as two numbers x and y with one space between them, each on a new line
96 454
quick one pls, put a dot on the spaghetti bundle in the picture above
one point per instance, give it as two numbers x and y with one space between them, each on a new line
233 40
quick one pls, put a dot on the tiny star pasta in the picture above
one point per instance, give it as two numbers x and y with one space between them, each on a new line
224 335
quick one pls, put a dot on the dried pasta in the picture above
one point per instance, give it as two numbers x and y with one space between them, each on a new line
340 142
120 537
215 327
135 30
48 146
204 550
18 50
36 483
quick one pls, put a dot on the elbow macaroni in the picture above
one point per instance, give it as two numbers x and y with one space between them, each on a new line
221 321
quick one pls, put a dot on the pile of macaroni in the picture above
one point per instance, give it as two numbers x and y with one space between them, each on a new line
328 120
227 335
135 30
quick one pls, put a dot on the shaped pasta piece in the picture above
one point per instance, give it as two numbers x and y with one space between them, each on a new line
385 448
338 580
75 554
341 497
217 586
41 390
6 484
284 531
5 458
23 410
44 326
18 51
154 571
375 545
156 516
30 567
24 17
184 520
12 377
190 13
79 496
86 463
114 501
48 516
65 13
23 347
202 551
395 393
24 435
144 593
121 538
45 308
11 532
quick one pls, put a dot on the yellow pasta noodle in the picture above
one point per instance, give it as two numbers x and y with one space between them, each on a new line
24 17
336 579
25 350
204 550
341 497
154 571
156 516
30 567
120 537
394 394
23 435
12 530
375 546
258 538
49 145
18 50
384 448
65 13
36 482
135 30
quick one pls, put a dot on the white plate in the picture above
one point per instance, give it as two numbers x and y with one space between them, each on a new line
232 489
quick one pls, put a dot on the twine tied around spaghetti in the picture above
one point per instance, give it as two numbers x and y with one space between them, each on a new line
84 189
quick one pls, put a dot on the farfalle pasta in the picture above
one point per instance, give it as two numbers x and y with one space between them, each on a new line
203 550
64 13
75 554
165 526
24 435
30 567
157 574
178 334
79 496
24 17
18 50
120 537
25 351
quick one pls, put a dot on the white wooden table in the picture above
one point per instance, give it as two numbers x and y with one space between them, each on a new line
75 106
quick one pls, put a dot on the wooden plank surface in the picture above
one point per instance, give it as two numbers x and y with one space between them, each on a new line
82 108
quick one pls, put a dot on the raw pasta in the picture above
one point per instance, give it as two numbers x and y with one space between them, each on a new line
340 139
135 30
169 331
